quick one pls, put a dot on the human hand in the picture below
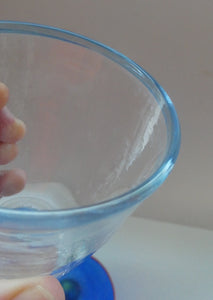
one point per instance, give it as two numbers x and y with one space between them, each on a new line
11 182
11 131
47 288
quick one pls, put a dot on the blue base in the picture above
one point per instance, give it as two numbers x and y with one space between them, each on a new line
88 281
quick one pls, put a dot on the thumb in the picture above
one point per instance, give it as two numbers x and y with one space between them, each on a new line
47 288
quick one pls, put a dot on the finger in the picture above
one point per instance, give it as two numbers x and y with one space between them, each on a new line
7 153
4 94
11 128
47 288
11 182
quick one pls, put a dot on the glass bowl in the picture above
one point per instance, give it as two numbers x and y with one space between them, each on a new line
102 136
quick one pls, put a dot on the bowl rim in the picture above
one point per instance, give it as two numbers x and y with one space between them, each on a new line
132 197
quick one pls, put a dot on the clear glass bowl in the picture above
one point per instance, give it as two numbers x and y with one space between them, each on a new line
102 135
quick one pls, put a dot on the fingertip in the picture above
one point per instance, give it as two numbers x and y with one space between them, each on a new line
13 131
21 128
8 152
4 94
53 286
12 182
31 289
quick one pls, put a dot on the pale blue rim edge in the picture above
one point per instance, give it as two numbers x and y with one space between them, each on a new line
70 217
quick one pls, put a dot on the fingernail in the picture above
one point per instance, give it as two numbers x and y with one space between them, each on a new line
4 94
36 293
20 128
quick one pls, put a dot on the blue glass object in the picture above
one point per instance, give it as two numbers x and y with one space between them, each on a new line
88 281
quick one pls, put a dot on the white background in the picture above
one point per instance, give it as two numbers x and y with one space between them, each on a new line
173 40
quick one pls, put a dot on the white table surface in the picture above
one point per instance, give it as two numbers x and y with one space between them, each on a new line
151 260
